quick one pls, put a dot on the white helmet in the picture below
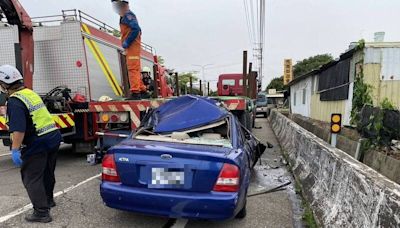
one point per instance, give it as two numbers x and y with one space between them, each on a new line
146 70
10 74
105 99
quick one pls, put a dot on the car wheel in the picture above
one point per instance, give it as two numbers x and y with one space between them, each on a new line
242 213
265 115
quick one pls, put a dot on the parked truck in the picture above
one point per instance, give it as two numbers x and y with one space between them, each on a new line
231 86
74 60
77 64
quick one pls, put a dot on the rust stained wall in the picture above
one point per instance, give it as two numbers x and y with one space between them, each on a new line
382 72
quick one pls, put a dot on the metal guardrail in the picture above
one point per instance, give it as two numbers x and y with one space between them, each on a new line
78 15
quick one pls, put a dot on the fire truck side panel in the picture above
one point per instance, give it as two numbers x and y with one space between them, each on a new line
104 68
60 58
9 37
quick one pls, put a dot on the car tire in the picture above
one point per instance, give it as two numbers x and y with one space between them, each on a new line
243 212
265 115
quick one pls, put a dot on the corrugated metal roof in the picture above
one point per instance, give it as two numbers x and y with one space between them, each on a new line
343 56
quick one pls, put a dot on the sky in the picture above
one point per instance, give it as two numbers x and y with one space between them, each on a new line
202 32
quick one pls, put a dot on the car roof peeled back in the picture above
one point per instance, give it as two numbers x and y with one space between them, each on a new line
184 113
188 120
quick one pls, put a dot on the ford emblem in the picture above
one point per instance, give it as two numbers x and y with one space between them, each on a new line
166 156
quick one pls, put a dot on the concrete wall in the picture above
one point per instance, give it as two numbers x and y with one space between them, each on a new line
384 164
341 191
323 131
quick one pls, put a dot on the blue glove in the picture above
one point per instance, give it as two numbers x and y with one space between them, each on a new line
125 45
16 157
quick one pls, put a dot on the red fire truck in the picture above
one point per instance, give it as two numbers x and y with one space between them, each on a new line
77 64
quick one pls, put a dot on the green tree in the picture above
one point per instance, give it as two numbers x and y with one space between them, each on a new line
276 83
184 79
310 64
213 93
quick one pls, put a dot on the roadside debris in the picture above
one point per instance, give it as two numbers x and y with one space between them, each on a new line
279 188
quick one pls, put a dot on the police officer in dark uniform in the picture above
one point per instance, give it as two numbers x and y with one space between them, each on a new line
35 142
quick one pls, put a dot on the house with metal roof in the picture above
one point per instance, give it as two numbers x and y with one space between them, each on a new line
332 87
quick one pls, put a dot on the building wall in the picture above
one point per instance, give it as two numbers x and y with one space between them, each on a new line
382 72
322 110
381 67
300 97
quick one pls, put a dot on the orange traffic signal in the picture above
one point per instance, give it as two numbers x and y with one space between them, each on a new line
336 123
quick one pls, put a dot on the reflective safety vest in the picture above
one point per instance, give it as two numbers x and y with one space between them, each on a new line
41 117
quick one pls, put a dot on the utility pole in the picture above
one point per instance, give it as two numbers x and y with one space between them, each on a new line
249 81
177 85
201 88
191 86
244 73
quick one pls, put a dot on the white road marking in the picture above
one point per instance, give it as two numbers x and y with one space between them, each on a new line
4 155
29 206
180 223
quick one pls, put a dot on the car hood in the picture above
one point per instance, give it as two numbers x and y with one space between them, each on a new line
183 113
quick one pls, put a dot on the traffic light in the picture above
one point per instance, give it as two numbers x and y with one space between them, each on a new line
336 123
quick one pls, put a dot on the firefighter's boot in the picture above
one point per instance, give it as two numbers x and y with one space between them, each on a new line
39 217
135 97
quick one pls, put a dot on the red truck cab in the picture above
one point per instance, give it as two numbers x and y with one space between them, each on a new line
230 85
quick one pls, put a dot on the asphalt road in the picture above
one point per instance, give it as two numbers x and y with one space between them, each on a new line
79 203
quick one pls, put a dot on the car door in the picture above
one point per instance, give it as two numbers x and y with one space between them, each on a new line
254 147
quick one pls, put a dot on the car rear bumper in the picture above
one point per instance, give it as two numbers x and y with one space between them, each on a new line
261 110
168 203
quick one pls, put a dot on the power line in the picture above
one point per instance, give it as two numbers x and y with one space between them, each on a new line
253 24
255 20
225 65
249 29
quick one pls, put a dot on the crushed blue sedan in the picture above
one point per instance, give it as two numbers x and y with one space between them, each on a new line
191 159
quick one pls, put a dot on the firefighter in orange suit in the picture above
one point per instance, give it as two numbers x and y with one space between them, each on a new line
131 42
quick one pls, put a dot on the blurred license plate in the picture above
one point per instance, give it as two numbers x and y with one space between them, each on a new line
164 177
